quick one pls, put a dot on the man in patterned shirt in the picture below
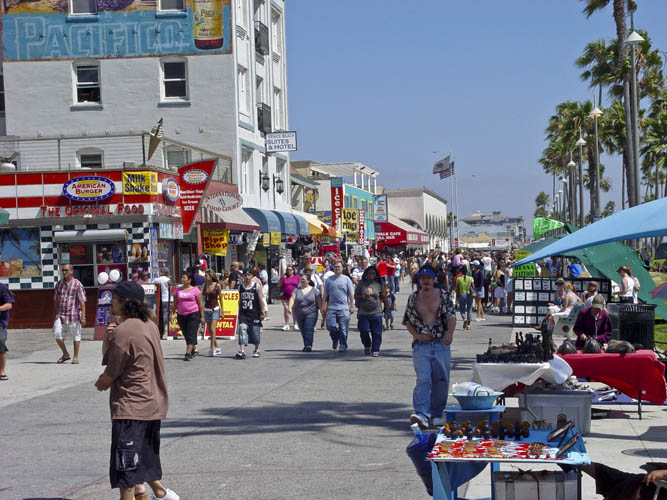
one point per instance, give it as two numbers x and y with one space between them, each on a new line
69 313
430 317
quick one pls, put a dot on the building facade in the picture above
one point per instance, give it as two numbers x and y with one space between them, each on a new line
421 208
492 230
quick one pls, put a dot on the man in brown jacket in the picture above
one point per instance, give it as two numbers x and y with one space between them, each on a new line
138 399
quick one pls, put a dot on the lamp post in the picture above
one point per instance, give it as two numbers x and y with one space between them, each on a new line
264 182
572 194
595 114
581 143
633 40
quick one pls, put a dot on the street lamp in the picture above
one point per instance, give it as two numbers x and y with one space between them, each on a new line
278 184
572 193
595 114
581 143
633 40
264 182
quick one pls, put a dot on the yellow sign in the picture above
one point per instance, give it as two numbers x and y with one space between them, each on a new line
275 239
140 183
215 241
266 239
520 255
350 223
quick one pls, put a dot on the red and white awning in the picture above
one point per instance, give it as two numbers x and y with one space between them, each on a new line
397 232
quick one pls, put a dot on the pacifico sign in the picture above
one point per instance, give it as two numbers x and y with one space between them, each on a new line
90 188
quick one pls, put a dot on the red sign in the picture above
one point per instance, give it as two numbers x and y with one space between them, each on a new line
193 181
362 227
336 200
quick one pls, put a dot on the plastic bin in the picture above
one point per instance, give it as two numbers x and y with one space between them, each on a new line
635 323
548 405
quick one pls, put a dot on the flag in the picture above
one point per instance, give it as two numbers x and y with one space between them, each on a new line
448 171
440 165
541 225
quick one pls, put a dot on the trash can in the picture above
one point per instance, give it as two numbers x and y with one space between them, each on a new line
635 323
612 311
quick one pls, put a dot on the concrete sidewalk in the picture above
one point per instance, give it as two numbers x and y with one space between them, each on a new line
287 425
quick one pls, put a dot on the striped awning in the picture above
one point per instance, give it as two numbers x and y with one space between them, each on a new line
234 220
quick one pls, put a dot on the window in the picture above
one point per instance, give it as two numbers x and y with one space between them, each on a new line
78 7
276 32
178 5
259 10
346 201
259 90
242 14
370 215
87 77
355 202
90 158
90 259
177 157
363 207
174 80
246 168
244 94
2 93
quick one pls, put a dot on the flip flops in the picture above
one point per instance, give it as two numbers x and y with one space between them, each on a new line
75 361
4 378
63 359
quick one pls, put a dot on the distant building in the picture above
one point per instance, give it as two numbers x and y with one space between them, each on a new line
421 208
494 230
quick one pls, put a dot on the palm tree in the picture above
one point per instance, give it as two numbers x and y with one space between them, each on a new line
541 202
598 64
655 145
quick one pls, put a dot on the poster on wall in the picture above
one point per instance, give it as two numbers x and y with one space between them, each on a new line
43 30
20 253
215 241
381 213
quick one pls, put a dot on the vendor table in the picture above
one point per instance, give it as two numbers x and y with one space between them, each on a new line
499 376
449 474
637 374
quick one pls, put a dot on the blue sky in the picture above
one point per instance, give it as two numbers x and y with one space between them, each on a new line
387 83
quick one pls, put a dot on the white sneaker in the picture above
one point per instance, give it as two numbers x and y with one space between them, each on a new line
296 327
437 422
169 495
285 328
217 352
256 354
419 420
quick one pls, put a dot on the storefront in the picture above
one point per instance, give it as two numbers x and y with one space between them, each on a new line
95 221
396 235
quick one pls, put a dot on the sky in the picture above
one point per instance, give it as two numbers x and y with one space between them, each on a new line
398 85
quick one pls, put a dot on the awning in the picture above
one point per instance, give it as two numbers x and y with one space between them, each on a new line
303 181
397 232
234 220
291 223
90 235
315 225
268 221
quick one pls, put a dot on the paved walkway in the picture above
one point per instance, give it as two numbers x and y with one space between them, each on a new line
289 425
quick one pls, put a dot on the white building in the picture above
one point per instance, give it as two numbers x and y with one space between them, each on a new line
423 209
69 70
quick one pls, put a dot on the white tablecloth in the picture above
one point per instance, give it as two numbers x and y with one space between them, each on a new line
498 376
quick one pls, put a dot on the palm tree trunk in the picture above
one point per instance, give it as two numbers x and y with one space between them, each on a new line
621 50
623 184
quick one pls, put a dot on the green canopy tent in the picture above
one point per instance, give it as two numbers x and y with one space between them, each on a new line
4 217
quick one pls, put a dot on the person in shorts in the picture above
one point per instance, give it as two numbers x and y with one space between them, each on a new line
69 313
6 303
138 399
251 315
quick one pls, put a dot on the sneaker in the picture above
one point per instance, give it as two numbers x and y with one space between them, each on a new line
195 353
367 351
422 422
342 349
305 349
285 328
187 356
391 326
169 495
375 354
334 344
211 353
308 348
256 354
296 328
240 355
437 422
217 351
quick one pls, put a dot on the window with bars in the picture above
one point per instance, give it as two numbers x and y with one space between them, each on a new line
87 81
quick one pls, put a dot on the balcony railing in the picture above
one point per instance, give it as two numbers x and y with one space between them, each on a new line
261 38
264 118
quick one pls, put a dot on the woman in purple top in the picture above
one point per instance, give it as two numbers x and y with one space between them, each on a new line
288 283
593 322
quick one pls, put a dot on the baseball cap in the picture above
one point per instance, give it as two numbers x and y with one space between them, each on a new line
130 290
475 263
598 302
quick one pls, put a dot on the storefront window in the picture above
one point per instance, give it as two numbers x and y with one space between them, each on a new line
90 259
165 256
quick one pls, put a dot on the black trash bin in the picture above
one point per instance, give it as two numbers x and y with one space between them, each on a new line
635 323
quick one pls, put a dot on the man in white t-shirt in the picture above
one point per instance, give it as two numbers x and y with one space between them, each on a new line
486 262
358 271
164 282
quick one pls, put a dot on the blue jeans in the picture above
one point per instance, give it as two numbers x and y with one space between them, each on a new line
396 287
432 362
338 323
370 331
465 306
306 326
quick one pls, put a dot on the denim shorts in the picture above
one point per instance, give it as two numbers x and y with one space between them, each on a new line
211 314
249 334
3 340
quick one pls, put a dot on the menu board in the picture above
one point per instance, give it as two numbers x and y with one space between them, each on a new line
532 296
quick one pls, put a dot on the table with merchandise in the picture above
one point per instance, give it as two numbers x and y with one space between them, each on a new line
455 460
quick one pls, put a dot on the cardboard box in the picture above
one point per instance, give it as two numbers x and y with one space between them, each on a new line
545 485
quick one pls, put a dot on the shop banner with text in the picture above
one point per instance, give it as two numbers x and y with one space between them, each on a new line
215 241
193 180
542 225
275 239
525 271
140 183
362 227
336 201
350 224
381 213
226 325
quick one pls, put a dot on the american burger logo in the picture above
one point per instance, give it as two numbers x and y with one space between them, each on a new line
90 188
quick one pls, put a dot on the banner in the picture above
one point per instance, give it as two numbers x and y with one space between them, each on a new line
526 270
215 241
193 180
542 225
350 224
362 227
226 325
275 239
140 183
266 239
381 212
336 201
